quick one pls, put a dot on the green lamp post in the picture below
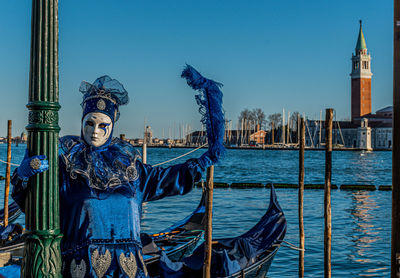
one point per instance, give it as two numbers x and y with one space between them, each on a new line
42 257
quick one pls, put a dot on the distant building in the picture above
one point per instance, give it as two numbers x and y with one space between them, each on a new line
169 142
148 135
365 130
138 141
157 141
386 113
382 138
232 137
364 135
24 137
259 136
360 79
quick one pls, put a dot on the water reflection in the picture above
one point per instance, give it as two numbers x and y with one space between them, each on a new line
363 233
363 167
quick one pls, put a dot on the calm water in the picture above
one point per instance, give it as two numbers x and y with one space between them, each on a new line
360 219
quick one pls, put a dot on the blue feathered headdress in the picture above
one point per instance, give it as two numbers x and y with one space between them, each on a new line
210 101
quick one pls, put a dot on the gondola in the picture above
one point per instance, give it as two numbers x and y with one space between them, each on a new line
177 241
248 255
13 213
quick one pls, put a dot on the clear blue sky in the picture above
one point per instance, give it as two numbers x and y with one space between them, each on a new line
268 54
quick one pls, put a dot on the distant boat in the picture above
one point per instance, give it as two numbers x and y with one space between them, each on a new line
177 241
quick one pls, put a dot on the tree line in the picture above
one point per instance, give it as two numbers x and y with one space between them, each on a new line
257 118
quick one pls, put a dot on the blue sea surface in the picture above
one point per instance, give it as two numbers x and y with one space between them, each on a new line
361 220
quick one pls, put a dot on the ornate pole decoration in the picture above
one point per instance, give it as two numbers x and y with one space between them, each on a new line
42 256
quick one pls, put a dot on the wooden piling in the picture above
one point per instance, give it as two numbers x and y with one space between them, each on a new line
8 173
301 196
327 195
395 252
208 228
144 151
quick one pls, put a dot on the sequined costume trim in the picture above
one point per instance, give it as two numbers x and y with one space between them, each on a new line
101 263
102 242
128 264
78 270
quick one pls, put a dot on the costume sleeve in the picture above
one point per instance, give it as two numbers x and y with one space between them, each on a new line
158 182
19 189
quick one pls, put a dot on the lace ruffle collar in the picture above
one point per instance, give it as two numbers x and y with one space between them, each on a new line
103 168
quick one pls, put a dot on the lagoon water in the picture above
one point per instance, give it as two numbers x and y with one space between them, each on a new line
361 220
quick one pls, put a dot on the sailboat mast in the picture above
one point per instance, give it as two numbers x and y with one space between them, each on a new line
288 128
298 129
283 127
320 127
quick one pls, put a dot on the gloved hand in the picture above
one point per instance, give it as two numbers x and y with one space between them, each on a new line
32 165
205 160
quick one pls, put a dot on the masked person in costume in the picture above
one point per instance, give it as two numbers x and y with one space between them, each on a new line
103 184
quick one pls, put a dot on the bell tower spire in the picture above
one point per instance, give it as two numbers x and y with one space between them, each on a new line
360 79
361 46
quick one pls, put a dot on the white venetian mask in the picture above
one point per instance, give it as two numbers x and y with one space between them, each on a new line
96 128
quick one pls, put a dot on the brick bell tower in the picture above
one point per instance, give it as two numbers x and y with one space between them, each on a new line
360 79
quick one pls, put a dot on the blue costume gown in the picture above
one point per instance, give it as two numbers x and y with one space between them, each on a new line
101 196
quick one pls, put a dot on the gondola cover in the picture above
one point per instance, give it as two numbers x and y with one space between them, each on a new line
231 255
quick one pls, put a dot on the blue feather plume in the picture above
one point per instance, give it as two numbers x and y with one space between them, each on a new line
210 101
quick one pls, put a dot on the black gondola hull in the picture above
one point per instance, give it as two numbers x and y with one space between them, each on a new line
248 255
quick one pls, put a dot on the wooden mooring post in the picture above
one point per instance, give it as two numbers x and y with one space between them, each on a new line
395 253
301 195
144 151
327 193
208 224
8 173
